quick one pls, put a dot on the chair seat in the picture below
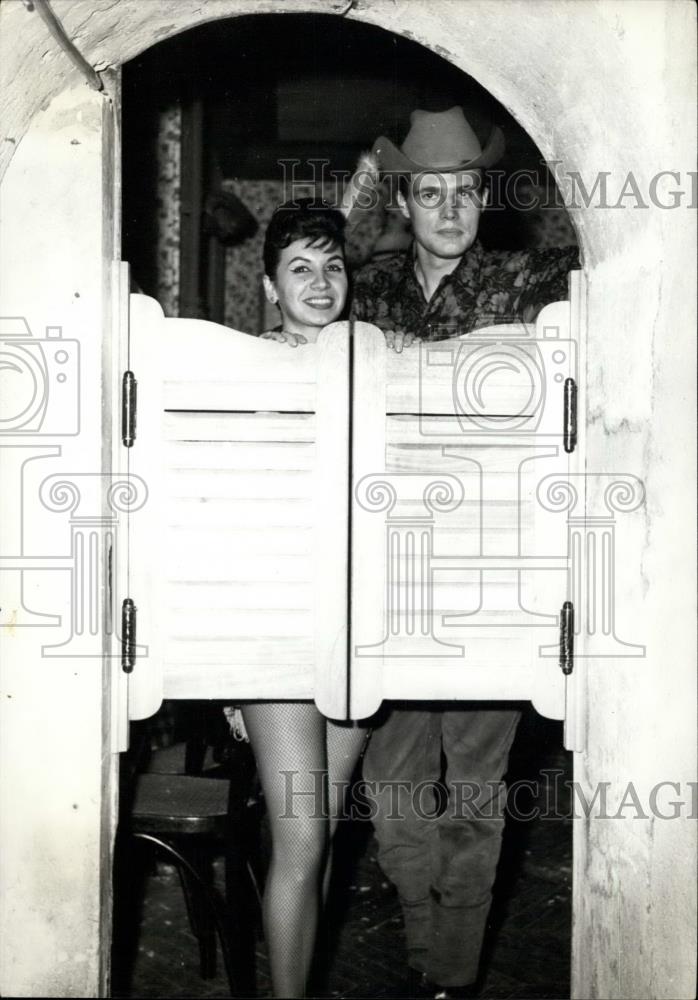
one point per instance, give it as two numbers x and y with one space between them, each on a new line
179 804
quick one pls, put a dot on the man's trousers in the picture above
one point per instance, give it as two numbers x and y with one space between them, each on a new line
442 865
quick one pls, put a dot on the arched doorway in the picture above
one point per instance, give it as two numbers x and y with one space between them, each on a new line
269 133
327 89
636 896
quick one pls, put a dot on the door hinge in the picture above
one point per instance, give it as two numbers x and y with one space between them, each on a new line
569 432
128 635
128 408
567 638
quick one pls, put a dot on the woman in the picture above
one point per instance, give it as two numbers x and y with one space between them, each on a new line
304 269
297 749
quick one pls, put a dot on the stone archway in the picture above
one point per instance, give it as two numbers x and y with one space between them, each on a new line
624 109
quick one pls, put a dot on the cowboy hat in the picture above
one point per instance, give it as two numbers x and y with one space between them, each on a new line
439 140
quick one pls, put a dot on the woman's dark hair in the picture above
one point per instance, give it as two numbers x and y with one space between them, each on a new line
303 218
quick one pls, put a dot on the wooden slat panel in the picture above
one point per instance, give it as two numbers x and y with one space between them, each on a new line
243 513
408 450
236 396
239 541
240 455
180 621
449 431
476 678
246 680
239 594
252 427
233 484
521 679
232 652
189 564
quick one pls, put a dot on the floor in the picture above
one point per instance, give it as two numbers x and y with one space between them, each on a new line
527 949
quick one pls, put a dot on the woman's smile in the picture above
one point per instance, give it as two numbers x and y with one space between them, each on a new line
320 301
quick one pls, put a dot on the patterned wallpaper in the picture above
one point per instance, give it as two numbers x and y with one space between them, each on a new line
243 263
168 208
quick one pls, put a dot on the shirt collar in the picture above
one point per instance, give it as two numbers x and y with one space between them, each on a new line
465 274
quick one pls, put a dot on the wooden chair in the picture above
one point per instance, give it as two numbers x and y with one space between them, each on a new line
184 816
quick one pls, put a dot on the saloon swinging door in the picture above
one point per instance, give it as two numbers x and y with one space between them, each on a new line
345 524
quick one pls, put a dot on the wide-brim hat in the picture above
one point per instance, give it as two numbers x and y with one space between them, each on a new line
439 140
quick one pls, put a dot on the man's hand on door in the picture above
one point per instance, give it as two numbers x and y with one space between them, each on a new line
397 340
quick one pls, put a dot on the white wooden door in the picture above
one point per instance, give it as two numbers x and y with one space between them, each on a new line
461 451
238 557
269 488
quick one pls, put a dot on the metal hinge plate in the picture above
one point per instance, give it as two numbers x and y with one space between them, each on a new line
128 635
569 433
128 408
567 638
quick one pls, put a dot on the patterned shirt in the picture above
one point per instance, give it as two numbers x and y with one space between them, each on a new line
488 287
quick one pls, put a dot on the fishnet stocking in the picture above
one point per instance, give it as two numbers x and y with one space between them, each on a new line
298 751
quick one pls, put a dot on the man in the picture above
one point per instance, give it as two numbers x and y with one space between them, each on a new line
446 285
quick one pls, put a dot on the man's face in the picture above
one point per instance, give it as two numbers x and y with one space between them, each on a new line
444 210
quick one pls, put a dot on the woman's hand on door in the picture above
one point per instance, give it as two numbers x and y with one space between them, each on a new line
292 339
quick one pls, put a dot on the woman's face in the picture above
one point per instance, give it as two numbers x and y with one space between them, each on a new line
311 286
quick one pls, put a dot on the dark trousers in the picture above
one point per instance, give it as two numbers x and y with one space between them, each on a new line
442 865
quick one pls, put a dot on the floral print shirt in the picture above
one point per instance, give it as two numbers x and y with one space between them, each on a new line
488 287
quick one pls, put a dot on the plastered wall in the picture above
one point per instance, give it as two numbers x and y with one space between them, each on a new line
56 770
600 86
